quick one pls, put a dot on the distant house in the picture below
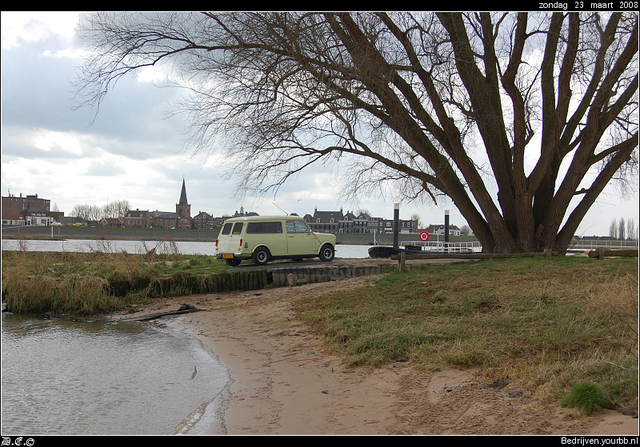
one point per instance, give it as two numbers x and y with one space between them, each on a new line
325 221
137 219
112 222
361 223
439 229
29 210
13 219
204 221
37 218
31 202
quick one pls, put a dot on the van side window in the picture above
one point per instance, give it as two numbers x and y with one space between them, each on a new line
264 227
297 226
227 228
237 228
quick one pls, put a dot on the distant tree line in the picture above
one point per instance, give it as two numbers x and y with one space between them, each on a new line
96 212
621 230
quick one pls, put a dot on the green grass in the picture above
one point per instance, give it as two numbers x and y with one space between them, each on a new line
588 396
547 323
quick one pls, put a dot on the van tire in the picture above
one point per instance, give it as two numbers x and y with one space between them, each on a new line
233 262
260 256
327 253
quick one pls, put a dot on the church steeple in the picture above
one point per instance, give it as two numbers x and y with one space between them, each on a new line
183 208
183 194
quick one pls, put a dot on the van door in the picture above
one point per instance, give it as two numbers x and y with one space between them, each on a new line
300 239
268 234
229 238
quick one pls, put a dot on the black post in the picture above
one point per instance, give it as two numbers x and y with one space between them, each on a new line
446 225
396 224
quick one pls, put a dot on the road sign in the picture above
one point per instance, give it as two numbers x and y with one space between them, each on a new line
424 236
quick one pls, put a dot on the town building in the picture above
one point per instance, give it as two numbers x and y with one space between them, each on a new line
324 221
27 210
364 223
204 221
16 205
181 218
439 230
137 219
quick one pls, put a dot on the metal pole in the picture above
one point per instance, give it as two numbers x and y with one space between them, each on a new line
396 223
446 225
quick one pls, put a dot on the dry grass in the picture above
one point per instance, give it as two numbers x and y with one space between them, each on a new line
547 323
101 281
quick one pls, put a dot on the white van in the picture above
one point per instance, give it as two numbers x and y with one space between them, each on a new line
262 239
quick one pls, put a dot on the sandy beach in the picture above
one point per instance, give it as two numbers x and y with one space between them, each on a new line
284 383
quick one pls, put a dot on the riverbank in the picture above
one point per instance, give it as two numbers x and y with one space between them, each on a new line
286 382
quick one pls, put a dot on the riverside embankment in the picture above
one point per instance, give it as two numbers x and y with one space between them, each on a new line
150 234
477 348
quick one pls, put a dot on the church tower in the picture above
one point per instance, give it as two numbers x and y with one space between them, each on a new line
183 209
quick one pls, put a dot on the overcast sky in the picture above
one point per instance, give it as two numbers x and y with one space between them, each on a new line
133 151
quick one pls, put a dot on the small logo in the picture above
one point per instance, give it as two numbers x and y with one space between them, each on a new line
19 441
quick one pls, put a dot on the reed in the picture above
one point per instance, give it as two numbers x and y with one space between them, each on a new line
100 281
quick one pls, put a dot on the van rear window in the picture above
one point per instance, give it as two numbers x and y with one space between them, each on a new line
237 228
264 227
227 228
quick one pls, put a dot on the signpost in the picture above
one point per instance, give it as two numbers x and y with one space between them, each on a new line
424 236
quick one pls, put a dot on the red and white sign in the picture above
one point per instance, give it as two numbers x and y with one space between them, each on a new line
424 236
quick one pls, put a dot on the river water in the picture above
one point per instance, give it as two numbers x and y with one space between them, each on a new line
65 376
114 246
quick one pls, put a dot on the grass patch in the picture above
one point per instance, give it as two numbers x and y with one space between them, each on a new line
548 324
588 396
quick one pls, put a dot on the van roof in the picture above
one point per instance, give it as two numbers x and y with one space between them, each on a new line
250 218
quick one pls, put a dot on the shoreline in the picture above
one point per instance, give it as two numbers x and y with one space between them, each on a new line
283 383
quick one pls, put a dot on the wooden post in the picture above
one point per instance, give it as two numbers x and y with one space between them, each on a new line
401 261
547 253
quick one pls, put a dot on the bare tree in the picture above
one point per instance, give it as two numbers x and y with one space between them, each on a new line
510 116
87 212
417 219
613 229
116 208
621 229
631 229
95 212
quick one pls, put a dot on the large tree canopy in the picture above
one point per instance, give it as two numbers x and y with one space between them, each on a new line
514 117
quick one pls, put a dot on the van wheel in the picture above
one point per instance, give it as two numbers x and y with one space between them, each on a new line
326 253
260 256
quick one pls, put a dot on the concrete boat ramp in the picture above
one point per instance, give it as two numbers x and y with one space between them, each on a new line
306 272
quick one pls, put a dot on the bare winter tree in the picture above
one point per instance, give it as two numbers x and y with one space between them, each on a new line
631 229
613 229
621 229
520 119
96 212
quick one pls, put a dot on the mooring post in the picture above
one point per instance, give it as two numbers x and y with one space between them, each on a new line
446 228
401 262
396 223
